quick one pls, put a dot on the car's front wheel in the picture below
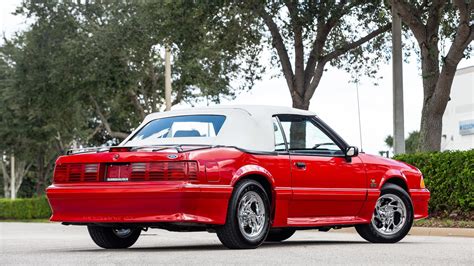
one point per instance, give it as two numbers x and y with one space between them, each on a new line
248 217
392 218
113 238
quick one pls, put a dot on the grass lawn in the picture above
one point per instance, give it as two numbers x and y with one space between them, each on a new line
25 221
444 222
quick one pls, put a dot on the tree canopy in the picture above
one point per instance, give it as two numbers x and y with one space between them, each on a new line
87 73
309 35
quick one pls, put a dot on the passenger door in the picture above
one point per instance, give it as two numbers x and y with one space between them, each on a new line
324 182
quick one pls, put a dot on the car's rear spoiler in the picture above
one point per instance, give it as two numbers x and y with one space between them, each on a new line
179 148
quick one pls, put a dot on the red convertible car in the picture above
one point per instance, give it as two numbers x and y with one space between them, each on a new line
248 173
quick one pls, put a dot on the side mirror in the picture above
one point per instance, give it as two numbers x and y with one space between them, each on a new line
352 151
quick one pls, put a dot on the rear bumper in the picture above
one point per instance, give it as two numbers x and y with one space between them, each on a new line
144 202
420 199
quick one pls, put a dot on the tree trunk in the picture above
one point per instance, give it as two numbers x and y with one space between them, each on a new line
430 131
298 130
437 88
40 175
431 117
300 103
12 177
21 171
43 170
6 178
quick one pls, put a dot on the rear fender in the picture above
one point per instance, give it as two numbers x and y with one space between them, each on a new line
252 169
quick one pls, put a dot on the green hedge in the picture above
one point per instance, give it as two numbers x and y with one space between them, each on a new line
449 176
31 208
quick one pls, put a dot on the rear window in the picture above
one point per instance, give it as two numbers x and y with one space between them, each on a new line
189 126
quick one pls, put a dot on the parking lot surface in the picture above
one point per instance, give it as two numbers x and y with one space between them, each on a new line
54 244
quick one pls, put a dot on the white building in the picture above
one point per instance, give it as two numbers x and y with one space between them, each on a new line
458 119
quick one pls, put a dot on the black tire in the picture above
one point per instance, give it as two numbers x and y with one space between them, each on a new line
279 234
230 234
106 237
369 231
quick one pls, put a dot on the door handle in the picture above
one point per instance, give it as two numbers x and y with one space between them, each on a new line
300 165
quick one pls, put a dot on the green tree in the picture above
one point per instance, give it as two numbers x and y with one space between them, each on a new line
309 35
434 23
87 74
412 143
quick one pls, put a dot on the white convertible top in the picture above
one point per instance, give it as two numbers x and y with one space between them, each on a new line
248 127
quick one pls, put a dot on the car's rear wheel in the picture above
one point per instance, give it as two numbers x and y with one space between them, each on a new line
279 234
392 218
113 238
248 217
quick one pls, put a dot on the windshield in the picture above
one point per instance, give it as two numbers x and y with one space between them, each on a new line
189 126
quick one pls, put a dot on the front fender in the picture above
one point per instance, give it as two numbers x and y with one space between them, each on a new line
392 173
252 169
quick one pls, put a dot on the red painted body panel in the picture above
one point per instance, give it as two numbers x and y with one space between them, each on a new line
330 191
139 202
327 187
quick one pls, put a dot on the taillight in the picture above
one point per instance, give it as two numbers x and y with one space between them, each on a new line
139 167
150 171
60 174
192 171
75 172
164 171
91 168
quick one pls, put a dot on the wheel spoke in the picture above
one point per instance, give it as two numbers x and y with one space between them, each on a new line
389 214
251 214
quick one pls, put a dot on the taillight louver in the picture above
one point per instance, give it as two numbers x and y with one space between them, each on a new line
75 173
60 174
138 172
192 171
164 171
135 172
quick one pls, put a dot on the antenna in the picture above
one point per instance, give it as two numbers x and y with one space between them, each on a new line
358 112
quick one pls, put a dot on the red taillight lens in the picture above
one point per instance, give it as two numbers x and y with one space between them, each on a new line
193 170
152 171
76 172
164 171
60 174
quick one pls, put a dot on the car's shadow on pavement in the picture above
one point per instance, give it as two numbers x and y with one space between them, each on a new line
216 247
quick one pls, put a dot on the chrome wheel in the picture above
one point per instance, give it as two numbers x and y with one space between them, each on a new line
251 215
389 215
123 232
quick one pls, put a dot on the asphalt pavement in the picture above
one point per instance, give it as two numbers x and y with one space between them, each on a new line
54 244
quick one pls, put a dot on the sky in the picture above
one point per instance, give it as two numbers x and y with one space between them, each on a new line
335 100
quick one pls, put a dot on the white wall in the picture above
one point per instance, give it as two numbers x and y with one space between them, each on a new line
460 111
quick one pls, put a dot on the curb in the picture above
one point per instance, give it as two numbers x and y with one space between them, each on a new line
426 231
